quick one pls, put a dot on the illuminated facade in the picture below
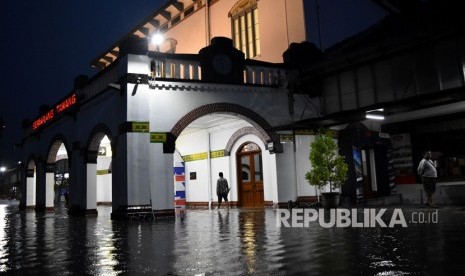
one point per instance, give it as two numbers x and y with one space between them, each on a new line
152 111
175 115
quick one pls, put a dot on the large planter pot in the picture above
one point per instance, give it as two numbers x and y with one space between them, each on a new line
330 200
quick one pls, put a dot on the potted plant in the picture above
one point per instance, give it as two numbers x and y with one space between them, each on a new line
328 168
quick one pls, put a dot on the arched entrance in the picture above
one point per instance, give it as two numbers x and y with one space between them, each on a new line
250 175
208 139
99 158
56 174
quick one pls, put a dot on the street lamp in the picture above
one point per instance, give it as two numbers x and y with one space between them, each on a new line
157 40
2 169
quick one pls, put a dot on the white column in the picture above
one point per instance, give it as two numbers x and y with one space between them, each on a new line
31 191
138 181
161 178
91 193
49 190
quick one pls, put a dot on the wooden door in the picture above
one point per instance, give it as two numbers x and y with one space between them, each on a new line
250 176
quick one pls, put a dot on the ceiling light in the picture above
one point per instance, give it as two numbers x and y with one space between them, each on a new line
374 116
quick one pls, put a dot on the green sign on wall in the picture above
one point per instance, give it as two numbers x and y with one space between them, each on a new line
158 137
140 127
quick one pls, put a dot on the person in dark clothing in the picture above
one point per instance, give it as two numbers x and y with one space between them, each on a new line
222 190
427 171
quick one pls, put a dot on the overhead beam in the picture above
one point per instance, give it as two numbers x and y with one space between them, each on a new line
145 31
155 23
178 5
107 58
166 14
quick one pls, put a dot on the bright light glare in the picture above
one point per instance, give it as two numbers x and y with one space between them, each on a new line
374 116
157 39
2 169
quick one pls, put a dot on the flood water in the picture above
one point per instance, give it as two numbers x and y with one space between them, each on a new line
234 242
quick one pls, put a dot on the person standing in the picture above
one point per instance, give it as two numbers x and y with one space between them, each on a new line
222 190
427 171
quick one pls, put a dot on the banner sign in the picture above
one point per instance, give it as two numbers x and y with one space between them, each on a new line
158 137
195 157
140 127
217 153
204 155
59 108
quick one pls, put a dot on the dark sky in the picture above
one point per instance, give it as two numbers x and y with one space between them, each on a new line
45 44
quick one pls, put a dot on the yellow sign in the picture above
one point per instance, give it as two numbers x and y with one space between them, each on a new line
195 157
140 126
102 172
286 138
217 153
158 137
204 155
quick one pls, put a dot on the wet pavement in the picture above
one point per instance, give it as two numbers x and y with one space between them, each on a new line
234 242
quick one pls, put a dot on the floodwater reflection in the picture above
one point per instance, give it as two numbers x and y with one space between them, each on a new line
234 242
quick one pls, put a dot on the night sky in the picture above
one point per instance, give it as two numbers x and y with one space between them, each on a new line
45 44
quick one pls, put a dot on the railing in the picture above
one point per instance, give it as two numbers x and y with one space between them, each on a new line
190 69
176 69
260 75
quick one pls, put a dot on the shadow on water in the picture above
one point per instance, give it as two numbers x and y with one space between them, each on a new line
224 242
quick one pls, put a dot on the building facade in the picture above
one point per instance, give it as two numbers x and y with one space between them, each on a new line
159 122
164 121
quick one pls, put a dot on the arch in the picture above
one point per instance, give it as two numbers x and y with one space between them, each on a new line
93 142
242 5
31 162
260 124
55 145
244 131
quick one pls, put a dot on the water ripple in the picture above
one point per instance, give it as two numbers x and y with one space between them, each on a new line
235 242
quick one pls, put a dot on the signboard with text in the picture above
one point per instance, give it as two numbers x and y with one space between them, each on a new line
58 109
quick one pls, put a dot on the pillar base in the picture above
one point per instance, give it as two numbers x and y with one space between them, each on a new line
140 212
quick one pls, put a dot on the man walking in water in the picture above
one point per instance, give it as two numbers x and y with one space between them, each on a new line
427 171
222 190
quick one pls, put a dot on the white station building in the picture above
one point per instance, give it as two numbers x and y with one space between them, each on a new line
165 119
159 122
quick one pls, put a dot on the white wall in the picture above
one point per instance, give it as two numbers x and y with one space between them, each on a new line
302 144
168 106
191 143
286 173
104 187
197 142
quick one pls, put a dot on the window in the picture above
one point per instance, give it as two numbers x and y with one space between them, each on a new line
189 11
245 27
175 20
